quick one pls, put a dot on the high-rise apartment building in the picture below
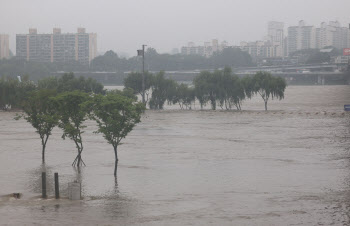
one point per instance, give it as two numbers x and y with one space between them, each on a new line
301 37
262 49
215 45
275 36
308 37
4 46
57 47
332 34
271 47
275 31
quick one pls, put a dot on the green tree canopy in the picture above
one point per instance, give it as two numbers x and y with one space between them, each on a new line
163 89
116 116
40 112
219 87
184 96
134 81
268 86
126 92
73 111
68 82
13 92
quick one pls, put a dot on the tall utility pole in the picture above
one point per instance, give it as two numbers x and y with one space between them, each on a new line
143 74
141 52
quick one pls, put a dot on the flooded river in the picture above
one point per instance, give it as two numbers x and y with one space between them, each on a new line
287 166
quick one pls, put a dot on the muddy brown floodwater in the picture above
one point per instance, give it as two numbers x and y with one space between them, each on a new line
287 166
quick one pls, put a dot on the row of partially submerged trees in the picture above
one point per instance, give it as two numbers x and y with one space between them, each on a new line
67 102
220 88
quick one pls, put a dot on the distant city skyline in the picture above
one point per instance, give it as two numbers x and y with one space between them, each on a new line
165 24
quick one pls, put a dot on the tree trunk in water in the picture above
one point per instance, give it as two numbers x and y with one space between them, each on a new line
265 105
213 104
116 161
79 158
43 154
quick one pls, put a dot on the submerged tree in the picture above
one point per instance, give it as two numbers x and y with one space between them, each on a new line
41 114
134 81
184 96
268 86
206 88
237 93
214 87
73 112
162 89
116 116
200 90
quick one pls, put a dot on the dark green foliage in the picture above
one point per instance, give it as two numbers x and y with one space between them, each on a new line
13 92
48 83
219 87
111 62
248 86
231 90
126 92
318 57
68 82
314 56
134 81
227 90
40 112
200 85
116 116
184 96
232 57
268 86
162 89
13 67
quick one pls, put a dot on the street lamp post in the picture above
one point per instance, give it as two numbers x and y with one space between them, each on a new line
143 74
142 53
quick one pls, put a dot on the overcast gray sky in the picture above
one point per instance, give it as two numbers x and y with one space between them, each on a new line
124 25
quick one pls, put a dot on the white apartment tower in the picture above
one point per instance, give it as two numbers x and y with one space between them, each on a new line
332 34
4 46
301 37
271 47
275 32
215 45
324 36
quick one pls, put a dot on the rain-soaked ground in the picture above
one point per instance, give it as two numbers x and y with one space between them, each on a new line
287 166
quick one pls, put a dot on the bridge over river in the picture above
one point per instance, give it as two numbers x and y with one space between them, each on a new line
324 74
